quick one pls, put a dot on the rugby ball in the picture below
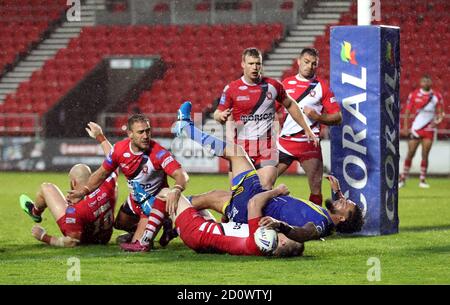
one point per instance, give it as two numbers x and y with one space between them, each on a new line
266 240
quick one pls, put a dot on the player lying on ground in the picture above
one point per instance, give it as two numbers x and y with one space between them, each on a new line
341 215
88 221
202 234
142 160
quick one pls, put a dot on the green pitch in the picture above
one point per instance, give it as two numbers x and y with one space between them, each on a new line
420 254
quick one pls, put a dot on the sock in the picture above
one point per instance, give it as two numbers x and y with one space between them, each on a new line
317 199
212 144
423 169
155 219
406 167
36 212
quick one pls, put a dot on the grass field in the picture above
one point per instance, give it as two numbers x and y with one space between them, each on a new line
419 254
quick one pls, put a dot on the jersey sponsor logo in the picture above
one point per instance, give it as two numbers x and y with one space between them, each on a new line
258 117
223 99
124 165
126 155
109 157
160 154
255 91
243 88
302 86
243 98
70 210
93 194
292 82
71 220
167 161
290 90
238 191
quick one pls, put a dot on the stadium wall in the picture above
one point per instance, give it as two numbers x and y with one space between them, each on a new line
30 154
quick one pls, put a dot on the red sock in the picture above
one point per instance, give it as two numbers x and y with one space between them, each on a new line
423 169
406 167
317 199
155 219
36 212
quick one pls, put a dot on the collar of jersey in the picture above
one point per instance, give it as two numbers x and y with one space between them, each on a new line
252 85
301 79
136 154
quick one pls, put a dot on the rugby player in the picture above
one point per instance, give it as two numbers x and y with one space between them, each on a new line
89 221
247 107
427 106
141 160
341 215
319 104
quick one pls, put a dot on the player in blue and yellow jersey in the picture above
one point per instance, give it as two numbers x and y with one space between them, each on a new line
285 213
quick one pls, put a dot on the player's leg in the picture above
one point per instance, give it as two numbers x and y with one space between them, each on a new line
50 196
426 148
267 175
214 200
412 148
314 171
237 156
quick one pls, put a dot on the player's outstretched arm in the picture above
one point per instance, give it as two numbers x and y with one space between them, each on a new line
64 241
95 131
299 234
297 115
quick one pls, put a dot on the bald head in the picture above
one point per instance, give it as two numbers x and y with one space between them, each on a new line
80 173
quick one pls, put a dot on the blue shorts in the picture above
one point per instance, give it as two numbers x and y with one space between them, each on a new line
244 187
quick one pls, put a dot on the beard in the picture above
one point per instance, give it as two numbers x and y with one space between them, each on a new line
329 205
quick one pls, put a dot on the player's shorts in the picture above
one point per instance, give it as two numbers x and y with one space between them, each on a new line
130 208
66 221
423 133
195 231
261 152
297 151
244 187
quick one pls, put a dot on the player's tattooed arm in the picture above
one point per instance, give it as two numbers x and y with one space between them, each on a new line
72 240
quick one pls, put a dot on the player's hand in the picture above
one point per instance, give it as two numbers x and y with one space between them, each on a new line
311 113
172 201
269 222
312 137
94 130
334 183
223 117
283 190
38 232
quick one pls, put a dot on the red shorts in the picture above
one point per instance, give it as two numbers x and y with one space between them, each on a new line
70 223
261 152
424 133
189 223
300 151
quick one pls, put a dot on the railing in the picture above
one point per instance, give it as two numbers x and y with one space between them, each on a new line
20 124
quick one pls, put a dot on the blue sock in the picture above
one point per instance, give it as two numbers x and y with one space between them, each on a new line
211 143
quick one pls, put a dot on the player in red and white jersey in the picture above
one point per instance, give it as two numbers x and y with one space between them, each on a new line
315 98
427 107
250 103
89 221
141 160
